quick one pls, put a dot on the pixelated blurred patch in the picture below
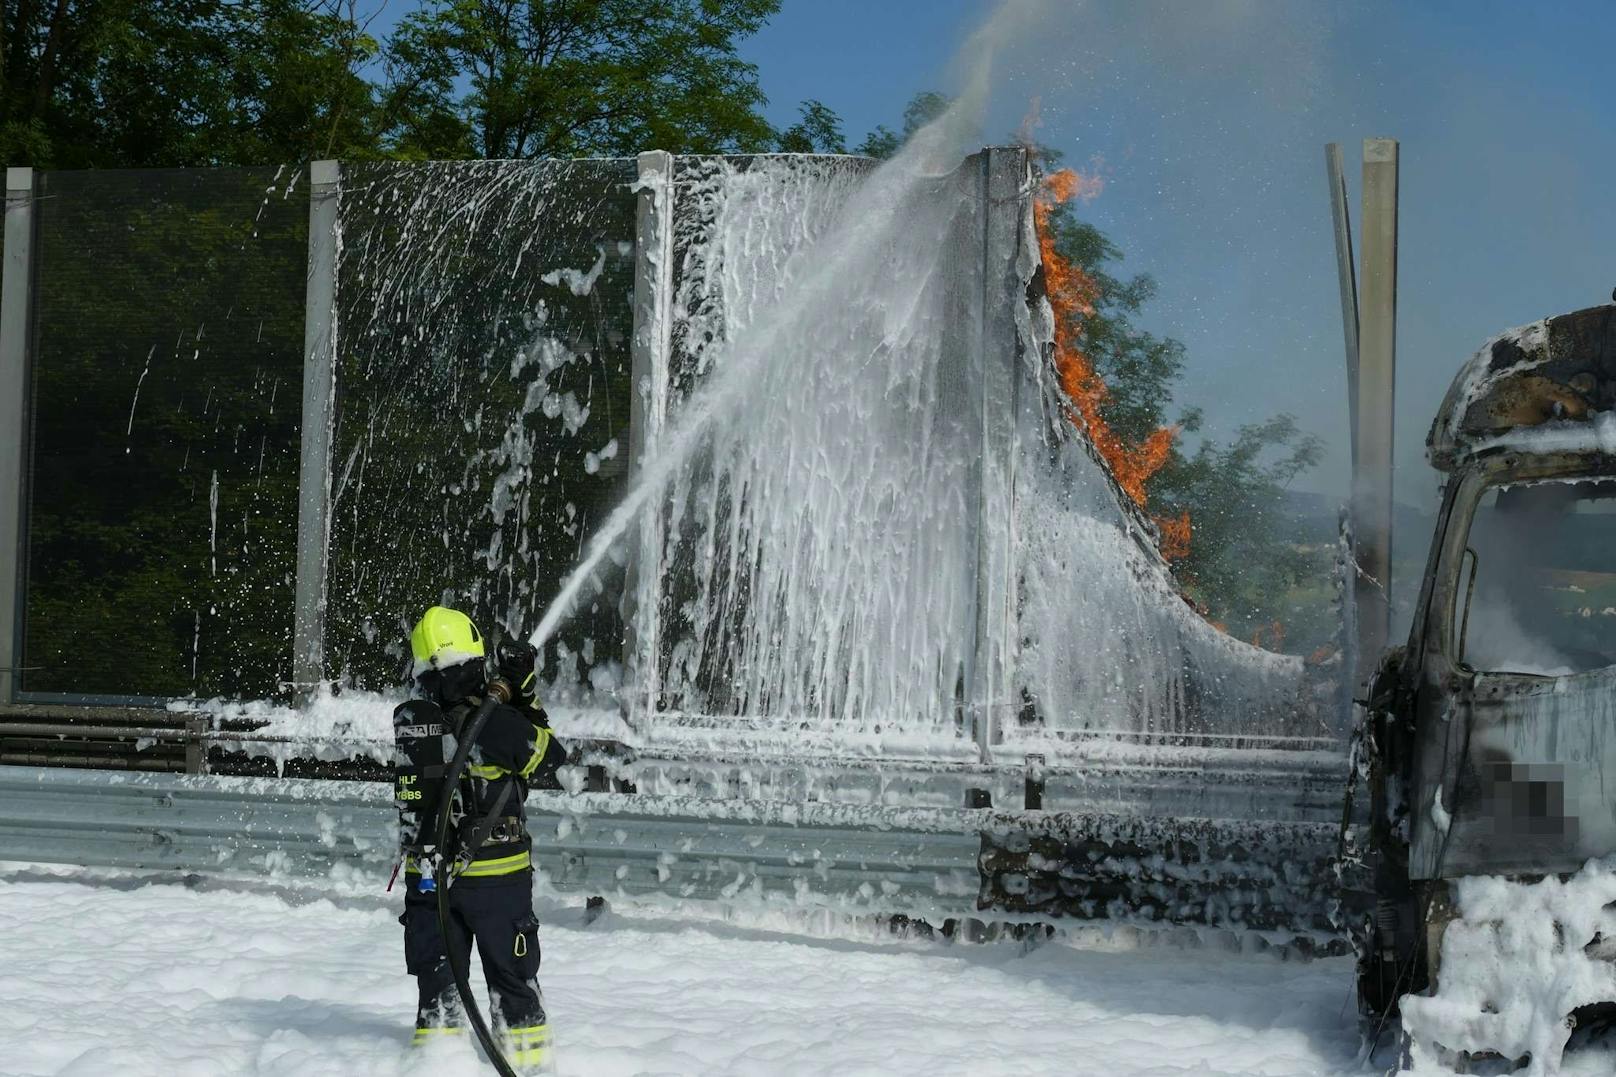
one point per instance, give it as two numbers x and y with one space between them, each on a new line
1526 800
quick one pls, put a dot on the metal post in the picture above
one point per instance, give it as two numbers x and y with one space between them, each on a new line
648 410
960 380
1347 278
196 749
319 415
1032 786
16 317
1005 183
1377 368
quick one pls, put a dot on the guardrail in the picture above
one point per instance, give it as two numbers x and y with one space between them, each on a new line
922 863
1289 780
829 856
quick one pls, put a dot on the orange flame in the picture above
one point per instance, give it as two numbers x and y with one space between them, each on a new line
1071 293
1175 534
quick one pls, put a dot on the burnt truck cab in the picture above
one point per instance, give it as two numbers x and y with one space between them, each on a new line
1490 738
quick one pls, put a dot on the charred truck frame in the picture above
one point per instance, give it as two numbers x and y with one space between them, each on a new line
1489 740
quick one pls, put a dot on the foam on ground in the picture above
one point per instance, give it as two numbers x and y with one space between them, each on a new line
215 983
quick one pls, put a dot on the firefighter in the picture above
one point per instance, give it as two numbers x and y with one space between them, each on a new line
490 886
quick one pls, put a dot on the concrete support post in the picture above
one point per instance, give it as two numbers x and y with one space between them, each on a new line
16 336
1377 369
319 418
651 348
1346 278
1005 185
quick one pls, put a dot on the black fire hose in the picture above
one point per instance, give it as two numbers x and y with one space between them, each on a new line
457 966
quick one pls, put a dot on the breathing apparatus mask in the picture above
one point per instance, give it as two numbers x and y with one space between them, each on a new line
449 686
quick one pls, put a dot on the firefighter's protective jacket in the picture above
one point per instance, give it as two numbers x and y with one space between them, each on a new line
515 749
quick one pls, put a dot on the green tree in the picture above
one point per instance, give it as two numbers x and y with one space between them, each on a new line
1244 562
295 87
131 83
922 108
1138 368
574 78
818 131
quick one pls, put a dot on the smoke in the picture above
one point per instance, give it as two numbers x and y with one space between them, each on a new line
1496 641
1519 536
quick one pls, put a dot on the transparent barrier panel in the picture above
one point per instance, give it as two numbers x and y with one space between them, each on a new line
167 389
483 379
818 561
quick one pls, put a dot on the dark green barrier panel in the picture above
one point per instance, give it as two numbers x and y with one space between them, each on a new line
483 380
167 381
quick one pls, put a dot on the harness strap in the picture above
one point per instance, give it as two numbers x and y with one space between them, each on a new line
507 828
486 824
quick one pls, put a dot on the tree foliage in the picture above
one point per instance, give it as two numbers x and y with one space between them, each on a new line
818 131
574 78
923 108
133 83
1138 367
130 83
1242 562
165 471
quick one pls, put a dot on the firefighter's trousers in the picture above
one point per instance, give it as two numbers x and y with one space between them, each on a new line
498 914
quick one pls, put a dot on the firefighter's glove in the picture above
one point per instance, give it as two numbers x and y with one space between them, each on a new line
518 662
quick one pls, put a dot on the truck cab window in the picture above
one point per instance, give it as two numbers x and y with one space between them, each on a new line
1544 600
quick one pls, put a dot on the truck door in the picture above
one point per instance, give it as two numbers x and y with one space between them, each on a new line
1517 722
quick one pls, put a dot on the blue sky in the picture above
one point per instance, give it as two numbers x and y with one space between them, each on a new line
1207 121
